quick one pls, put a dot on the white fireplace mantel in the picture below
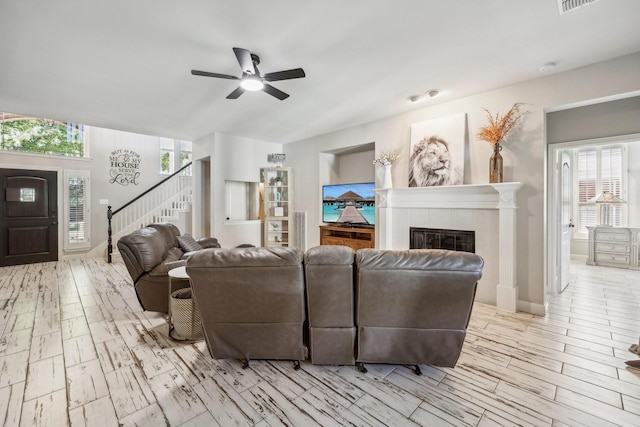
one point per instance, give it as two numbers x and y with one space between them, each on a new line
501 197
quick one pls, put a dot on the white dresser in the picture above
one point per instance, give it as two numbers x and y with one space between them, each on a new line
613 246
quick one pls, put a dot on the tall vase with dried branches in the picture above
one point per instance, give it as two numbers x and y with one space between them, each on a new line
495 133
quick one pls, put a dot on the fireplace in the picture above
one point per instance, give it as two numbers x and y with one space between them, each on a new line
437 238
487 209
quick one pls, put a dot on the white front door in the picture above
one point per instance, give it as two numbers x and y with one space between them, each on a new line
565 225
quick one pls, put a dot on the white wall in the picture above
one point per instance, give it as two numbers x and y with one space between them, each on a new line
237 159
101 143
524 154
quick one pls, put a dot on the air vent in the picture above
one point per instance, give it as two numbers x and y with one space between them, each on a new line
565 6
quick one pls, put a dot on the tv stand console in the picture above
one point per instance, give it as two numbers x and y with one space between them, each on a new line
354 237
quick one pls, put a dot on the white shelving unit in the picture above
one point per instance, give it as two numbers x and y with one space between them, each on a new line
277 228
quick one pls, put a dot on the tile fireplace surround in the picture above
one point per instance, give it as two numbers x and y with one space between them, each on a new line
488 209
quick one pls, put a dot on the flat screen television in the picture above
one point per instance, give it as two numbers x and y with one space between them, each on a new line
349 204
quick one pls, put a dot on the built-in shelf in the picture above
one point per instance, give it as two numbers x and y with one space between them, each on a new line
277 228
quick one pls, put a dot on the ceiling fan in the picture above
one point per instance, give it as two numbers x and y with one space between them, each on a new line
251 79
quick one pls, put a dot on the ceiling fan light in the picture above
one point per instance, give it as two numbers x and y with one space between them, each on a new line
251 83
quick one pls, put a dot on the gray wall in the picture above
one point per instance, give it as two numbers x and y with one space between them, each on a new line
355 167
604 119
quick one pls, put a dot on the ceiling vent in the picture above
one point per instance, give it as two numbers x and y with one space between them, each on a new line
565 6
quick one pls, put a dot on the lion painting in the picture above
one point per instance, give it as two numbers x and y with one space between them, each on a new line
430 164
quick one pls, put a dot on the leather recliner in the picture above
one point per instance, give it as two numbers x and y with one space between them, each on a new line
413 306
149 253
251 302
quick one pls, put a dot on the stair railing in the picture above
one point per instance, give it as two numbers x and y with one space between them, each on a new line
172 192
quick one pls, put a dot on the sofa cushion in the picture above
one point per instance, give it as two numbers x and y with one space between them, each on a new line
174 254
163 268
149 247
173 260
169 232
329 278
208 242
188 243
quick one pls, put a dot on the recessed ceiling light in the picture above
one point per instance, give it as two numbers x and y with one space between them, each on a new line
430 93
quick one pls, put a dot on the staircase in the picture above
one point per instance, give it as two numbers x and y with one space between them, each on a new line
167 201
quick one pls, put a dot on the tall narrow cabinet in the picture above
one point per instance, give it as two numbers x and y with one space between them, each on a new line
277 227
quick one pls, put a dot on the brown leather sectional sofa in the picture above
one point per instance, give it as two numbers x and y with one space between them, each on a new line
373 306
149 253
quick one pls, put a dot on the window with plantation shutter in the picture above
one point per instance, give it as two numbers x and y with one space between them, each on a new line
599 169
77 208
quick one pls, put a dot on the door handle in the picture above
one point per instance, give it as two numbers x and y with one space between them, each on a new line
54 223
571 225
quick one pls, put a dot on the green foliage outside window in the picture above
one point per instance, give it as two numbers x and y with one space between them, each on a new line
165 161
42 136
184 158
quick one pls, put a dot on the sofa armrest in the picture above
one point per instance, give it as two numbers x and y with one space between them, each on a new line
163 268
208 242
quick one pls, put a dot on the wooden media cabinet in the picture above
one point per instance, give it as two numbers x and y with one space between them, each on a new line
354 237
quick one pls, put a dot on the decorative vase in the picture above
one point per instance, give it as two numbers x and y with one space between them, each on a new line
387 180
495 164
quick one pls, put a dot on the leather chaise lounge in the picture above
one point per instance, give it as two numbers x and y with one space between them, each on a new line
150 252
375 306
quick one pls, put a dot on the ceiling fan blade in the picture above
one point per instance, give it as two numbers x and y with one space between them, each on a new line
296 73
275 92
208 74
236 93
245 61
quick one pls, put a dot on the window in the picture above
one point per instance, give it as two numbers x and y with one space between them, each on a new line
599 169
27 194
166 156
77 207
42 136
185 153
168 150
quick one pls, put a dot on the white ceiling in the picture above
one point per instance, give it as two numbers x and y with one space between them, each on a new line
125 64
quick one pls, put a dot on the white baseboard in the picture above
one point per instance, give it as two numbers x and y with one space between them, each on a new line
532 308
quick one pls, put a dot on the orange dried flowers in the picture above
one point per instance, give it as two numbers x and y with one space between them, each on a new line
498 128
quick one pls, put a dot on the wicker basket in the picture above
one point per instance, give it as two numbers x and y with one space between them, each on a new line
187 324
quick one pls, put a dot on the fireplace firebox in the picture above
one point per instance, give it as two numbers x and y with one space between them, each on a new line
436 238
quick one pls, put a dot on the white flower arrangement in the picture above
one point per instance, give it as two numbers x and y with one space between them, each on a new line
387 158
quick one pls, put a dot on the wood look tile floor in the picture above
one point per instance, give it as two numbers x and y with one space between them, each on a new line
76 349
